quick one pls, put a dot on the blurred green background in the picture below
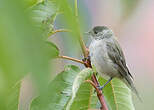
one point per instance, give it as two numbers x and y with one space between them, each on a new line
23 51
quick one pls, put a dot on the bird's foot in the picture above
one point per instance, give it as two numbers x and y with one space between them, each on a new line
86 59
100 87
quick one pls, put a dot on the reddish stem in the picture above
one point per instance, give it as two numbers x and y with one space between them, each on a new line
87 63
95 84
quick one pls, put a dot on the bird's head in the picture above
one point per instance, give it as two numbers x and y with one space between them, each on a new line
100 32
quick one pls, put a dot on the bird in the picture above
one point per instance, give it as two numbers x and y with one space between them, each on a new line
108 58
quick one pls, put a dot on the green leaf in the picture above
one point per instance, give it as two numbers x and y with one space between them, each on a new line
10 99
53 50
82 100
59 91
118 95
29 3
94 102
43 15
22 49
67 90
13 97
81 92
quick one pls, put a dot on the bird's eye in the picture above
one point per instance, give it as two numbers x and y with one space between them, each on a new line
95 32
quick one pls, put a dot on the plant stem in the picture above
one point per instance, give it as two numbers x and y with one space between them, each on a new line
93 84
96 84
87 63
72 59
59 30
99 94
83 47
76 8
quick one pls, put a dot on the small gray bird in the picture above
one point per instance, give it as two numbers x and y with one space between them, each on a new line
107 57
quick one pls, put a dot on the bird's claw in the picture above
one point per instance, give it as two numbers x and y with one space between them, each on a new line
86 59
100 87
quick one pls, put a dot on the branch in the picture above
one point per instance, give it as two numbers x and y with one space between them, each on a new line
76 8
93 84
87 63
56 31
60 30
72 59
99 94
83 47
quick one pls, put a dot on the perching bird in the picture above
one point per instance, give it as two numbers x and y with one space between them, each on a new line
108 58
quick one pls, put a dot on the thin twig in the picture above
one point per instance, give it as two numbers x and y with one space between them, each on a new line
83 47
99 94
87 63
56 31
94 85
76 8
72 59
61 30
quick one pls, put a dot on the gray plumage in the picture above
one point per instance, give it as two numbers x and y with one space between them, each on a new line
107 56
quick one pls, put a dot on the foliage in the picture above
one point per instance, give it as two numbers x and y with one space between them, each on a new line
64 92
24 48
118 95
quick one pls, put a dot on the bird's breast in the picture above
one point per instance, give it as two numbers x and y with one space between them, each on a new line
100 58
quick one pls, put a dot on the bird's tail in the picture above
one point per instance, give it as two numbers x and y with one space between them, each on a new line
129 82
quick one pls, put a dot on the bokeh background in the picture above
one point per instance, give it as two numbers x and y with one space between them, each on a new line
132 21
133 24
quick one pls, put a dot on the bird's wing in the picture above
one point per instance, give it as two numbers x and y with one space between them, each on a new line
117 56
115 53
